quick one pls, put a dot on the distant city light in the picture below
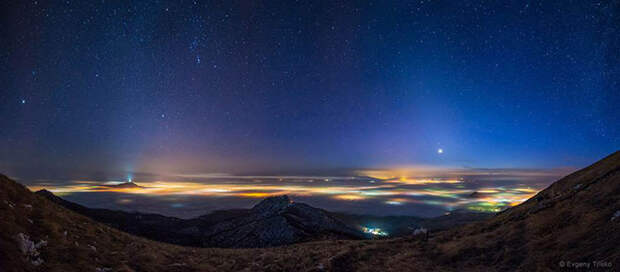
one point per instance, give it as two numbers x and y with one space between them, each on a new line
374 231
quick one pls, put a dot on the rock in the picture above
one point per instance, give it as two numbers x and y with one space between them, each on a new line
420 231
37 262
30 249
616 216
272 205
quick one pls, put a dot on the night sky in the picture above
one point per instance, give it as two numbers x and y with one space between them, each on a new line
110 89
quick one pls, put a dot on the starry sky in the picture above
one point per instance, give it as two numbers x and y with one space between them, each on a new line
107 90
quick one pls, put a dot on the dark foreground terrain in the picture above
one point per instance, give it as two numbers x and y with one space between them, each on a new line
275 221
575 221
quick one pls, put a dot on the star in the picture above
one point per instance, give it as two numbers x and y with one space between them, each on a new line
440 151
23 101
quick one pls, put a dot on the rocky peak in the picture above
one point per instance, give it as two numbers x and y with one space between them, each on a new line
46 193
272 205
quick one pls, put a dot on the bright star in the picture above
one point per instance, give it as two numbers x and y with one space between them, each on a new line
439 151
23 101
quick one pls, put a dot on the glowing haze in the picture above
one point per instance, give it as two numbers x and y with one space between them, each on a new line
379 192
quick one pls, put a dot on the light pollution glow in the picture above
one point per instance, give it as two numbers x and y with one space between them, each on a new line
397 192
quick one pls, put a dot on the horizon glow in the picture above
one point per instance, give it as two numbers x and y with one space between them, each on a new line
390 196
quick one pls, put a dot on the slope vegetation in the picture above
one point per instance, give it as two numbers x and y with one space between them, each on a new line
575 221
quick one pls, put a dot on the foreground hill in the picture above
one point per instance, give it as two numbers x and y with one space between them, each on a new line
40 235
574 221
274 221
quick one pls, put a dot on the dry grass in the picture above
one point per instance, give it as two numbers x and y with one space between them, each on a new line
573 225
89 245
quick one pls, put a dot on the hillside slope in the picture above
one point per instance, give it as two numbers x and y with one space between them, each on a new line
40 235
274 221
152 226
575 220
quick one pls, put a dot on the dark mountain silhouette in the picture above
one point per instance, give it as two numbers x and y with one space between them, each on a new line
397 226
272 222
124 185
153 226
575 220
277 221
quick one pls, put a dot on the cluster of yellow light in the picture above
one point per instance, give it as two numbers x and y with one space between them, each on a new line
495 200
487 191
422 181
526 190
374 231
349 197
258 195
398 172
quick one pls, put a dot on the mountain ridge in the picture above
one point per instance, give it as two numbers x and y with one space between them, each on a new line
572 222
198 231
298 222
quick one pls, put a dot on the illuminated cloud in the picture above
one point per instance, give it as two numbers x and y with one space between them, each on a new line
460 192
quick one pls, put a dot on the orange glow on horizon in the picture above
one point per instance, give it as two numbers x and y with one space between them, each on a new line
448 193
349 197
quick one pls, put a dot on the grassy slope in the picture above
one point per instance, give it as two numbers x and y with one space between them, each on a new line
124 252
568 221
563 222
